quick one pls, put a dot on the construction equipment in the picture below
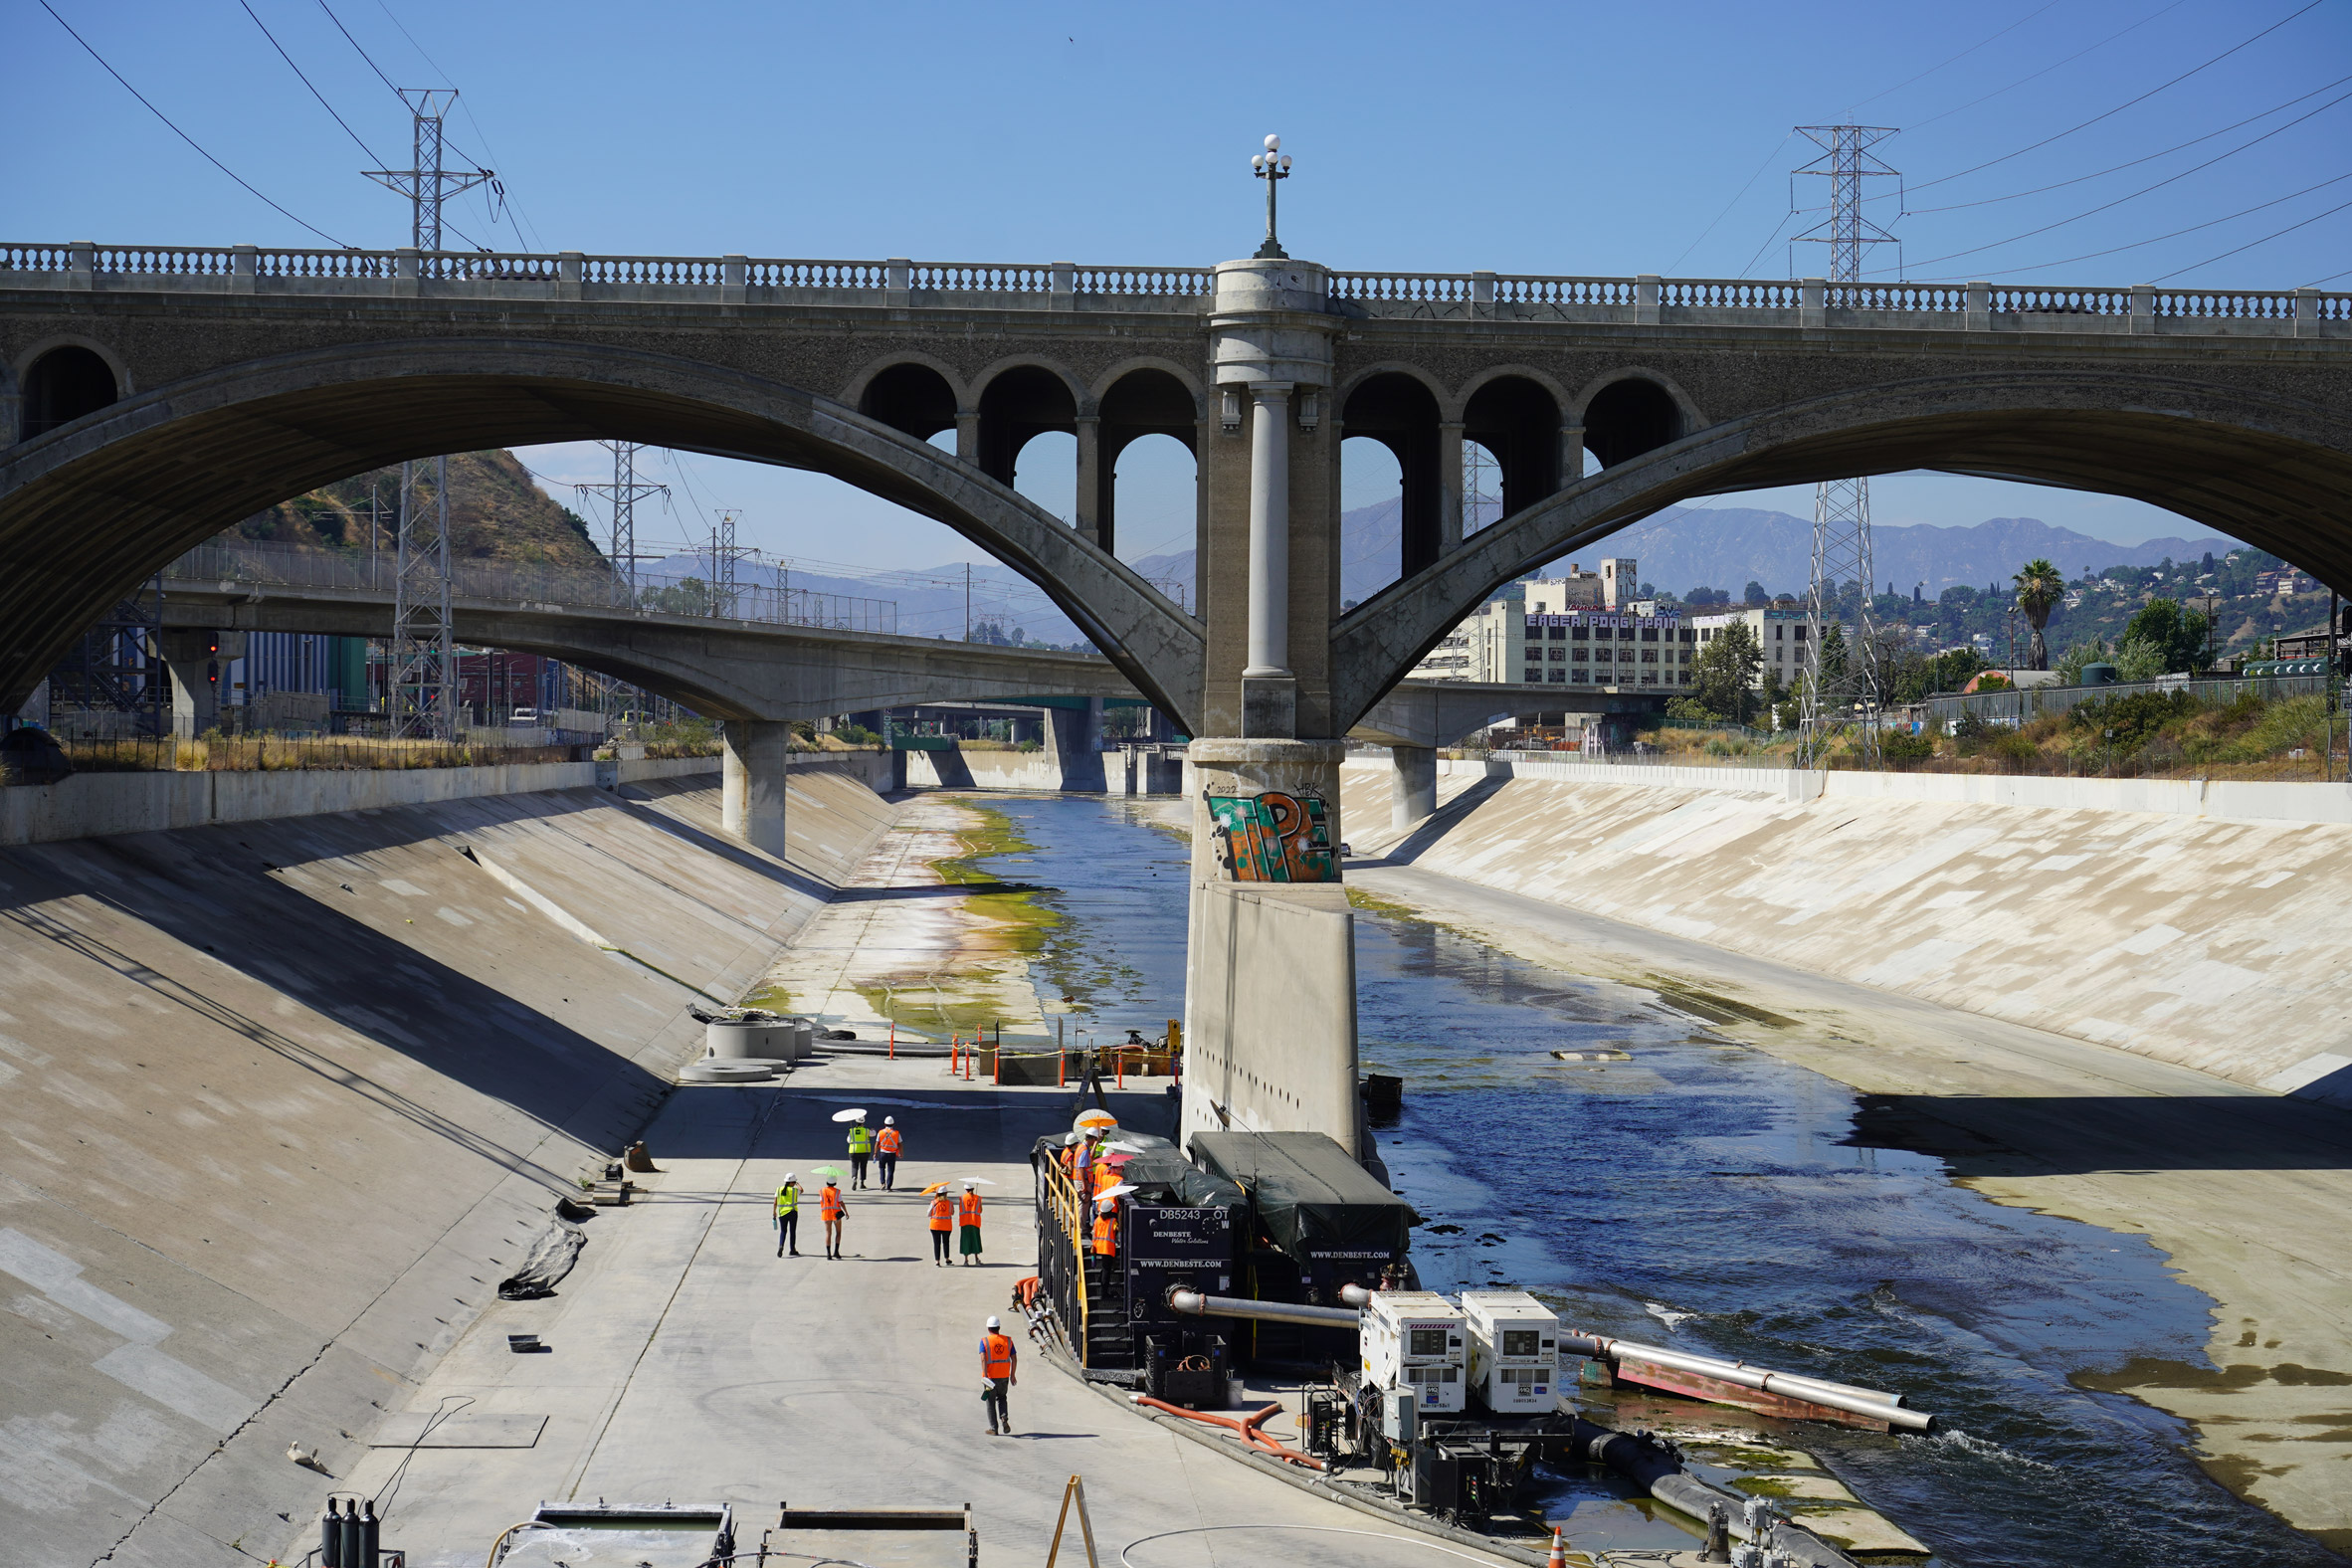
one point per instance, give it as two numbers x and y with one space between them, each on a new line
1514 1352
1416 1340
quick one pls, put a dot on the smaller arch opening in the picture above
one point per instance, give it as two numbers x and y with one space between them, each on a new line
63 385
1518 422
913 398
1628 418
1398 412
1018 406
1140 405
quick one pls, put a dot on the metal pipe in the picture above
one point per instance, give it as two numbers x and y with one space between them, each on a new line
1875 1404
1193 1303
1355 1296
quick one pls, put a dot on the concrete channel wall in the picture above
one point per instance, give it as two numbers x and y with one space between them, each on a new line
285 1101
2150 916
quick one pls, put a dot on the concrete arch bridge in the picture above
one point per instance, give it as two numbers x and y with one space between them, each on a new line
156 394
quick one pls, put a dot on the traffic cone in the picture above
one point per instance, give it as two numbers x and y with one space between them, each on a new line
1558 1557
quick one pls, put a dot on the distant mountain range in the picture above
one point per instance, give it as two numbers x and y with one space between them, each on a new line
1682 548
1729 547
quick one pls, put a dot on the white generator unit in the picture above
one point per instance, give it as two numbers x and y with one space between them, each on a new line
1515 1351
1418 1340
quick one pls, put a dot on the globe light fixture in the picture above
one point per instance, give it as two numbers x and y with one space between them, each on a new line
1273 165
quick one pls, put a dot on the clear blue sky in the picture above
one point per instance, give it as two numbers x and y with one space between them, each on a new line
1562 138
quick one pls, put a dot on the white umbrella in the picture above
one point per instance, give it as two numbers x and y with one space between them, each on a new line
849 1115
977 1181
1120 1190
1124 1147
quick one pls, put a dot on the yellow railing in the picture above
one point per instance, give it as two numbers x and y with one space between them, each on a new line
1069 1212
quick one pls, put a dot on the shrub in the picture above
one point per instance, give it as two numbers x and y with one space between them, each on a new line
1903 749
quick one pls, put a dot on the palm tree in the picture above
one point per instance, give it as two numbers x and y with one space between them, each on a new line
2039 589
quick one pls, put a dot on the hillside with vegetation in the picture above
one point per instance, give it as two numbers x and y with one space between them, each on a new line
496 514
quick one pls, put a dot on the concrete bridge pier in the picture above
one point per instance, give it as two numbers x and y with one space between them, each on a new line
199 662
752 778
1416 784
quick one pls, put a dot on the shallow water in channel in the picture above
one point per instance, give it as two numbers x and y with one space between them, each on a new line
1700 1195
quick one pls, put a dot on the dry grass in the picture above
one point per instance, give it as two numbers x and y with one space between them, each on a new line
214 753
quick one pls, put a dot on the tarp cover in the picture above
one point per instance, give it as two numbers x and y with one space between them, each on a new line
551 1258
1314 1201
1160 1166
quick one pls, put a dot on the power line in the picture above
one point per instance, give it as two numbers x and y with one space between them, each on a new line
2265 240
2313 5
397 93
1735 201
2093 255
1963 55
1990 201
183 135
306 82
2047 69
2143 190
354 43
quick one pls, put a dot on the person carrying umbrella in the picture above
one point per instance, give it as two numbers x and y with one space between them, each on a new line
942 1225
788 1215
831 1206
886 1152
968 1218
860 1150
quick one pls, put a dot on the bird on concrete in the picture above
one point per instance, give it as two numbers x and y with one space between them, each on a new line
306 1457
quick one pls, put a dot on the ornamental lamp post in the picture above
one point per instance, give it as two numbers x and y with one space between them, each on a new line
1271 165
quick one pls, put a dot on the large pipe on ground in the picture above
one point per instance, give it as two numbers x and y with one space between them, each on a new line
1194 1304
1873 1404
1656 1469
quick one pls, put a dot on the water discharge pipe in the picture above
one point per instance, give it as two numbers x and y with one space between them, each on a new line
1194 1304
1873 1404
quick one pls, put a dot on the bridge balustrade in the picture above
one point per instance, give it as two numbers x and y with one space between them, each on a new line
1019 286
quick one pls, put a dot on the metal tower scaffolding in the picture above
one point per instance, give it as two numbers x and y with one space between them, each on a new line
116 669
422 645
423 652
1481 488
621 496
724 553
1842 687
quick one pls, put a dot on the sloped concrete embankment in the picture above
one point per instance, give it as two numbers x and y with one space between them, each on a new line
281 1102
2205 925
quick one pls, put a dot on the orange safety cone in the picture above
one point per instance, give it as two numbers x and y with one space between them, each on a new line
1558 1557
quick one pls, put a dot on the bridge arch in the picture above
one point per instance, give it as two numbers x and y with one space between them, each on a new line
916 393
61 379
1517 416
1135 399
91 508
1019 401
2273 471
1633 410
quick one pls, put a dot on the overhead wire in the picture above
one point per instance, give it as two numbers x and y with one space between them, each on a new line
2092 256
2094 119
1963 55
2169 179
306 82
2047 69
2265 240
394 89
2118 168
183 135
1736 200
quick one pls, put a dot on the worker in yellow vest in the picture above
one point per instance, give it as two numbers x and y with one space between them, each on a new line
886 1151
860 1150
1000 1369
942 1227
788 1215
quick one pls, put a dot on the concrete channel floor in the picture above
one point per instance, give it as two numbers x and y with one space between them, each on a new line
688 1363
2246 1190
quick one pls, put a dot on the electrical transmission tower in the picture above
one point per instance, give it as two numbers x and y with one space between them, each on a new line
1842 683
424 653
1481 488
622 495
724 553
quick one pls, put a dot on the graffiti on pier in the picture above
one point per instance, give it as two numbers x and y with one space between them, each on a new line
1274 837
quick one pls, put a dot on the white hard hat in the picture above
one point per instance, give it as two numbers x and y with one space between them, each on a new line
967 1186
890 1121
1069 1138
992 1322
790 1177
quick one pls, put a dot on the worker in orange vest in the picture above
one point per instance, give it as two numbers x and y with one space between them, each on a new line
967 1214
942 1226
886 1152
831 1205
1000 1369
1106 1228
1070 1154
